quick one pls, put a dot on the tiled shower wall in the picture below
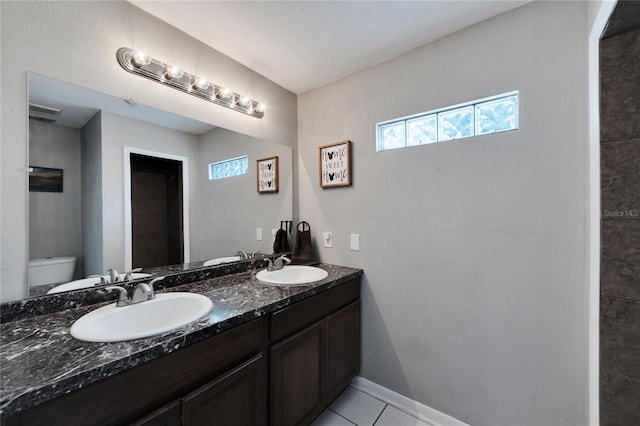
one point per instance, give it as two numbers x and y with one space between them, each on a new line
620 230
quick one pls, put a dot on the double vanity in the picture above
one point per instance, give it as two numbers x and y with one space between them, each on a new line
266 353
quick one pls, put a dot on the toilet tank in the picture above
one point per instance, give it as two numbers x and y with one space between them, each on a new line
50 270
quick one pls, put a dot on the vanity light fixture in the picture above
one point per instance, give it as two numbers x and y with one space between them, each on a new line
139 63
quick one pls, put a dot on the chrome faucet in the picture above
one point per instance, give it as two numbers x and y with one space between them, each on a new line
243 254
102 279
127 276
278 263
141 293
114 276
255 254
123 297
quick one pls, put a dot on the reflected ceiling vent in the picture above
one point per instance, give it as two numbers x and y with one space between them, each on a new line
44 113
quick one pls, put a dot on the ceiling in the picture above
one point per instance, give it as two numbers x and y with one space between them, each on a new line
302 45
79 105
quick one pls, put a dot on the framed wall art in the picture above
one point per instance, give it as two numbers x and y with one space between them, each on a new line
267 169
45 179
335 164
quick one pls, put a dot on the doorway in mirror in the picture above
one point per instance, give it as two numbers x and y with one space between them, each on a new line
156 211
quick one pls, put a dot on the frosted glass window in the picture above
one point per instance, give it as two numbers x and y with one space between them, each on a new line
490 115
391 136
498 115
422 130
455 123
229 168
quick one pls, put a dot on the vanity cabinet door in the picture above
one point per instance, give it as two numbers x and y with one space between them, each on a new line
169 415
297 366
237 398
343 349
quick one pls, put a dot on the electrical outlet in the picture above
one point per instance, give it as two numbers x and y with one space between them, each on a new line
328 239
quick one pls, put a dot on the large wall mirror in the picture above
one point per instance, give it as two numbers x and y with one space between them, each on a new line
109 175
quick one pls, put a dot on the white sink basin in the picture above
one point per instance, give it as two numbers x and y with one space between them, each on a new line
293 275
90 282
219 260
168 311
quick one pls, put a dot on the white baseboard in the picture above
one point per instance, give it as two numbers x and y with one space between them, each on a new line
409 406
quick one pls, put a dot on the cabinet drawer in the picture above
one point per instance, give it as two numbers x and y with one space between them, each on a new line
288 320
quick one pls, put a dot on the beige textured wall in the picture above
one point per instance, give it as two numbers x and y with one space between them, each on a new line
474 251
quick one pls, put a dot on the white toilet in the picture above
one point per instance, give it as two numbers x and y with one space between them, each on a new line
51 270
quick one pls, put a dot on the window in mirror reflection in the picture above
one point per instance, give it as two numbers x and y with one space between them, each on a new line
228 168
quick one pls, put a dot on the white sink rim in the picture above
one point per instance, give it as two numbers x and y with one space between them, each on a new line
145 319
221 260
90 282
291 275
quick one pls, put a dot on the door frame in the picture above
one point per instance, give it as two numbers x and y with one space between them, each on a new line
599 13
128 237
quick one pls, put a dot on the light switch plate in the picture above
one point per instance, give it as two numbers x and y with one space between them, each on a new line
355 242
259 234
328 239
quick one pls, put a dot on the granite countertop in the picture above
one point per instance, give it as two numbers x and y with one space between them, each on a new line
39 360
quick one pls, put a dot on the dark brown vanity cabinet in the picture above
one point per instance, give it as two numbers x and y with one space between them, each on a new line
236 398
297 367
169 415
343 350
314 365
281 369
155 392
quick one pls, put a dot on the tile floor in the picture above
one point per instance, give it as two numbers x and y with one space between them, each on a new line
354 407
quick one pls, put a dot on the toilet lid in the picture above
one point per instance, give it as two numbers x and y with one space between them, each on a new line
44 261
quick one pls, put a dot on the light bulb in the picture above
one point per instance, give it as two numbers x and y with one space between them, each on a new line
139 58
225 93
201 83
173 72
259 107
244 101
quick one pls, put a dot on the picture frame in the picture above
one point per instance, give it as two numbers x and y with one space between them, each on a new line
267 175
45 179
335 164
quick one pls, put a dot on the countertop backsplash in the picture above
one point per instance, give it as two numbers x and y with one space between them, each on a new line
174 275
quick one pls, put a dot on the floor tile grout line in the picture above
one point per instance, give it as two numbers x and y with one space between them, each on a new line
380 415
353 423
397 407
